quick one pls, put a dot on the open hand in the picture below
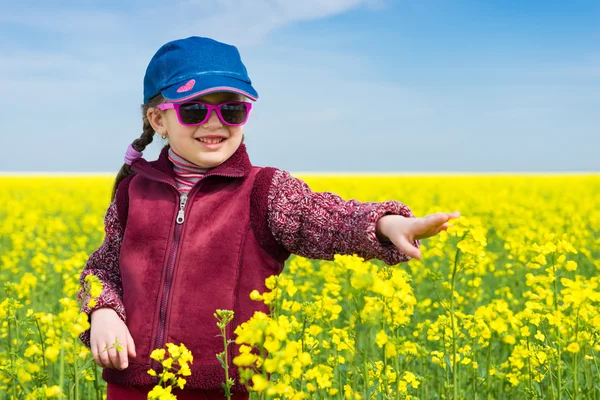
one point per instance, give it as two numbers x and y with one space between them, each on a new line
402 231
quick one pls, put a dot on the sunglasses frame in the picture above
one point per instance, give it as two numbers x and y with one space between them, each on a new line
211 107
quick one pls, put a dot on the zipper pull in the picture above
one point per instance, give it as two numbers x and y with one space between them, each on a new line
182 201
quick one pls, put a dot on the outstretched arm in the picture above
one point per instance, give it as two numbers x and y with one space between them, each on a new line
322 224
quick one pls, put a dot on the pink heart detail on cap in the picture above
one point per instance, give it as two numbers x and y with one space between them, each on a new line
188 86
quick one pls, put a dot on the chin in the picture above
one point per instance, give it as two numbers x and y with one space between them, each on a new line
212 160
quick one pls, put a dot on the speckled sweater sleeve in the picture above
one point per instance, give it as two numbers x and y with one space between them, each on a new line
104 263
321 224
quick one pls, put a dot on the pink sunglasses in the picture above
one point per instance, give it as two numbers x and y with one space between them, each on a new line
194 113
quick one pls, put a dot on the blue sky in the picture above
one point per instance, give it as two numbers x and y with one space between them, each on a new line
345 85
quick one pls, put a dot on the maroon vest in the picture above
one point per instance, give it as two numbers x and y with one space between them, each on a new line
182 260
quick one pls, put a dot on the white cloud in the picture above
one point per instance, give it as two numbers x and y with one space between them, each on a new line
241 21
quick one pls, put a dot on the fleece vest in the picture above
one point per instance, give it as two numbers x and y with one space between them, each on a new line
181 259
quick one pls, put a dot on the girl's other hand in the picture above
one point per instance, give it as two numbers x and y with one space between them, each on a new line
106 327
402 232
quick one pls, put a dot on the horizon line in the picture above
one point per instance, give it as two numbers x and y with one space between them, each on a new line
316 173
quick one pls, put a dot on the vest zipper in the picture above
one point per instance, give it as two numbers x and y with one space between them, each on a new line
160 336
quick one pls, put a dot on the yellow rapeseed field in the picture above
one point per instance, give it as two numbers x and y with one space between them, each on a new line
505 305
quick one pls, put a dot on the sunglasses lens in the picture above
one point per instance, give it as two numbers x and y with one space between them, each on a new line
234 113
192 113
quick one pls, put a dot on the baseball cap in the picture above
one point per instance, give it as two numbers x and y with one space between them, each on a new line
186 68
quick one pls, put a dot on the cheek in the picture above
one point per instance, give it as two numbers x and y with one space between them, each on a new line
236 131
170 120
176 129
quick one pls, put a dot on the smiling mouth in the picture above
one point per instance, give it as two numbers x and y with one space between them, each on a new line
210 140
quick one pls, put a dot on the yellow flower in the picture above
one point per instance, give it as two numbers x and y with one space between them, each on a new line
167 376
381 338
510 339
315 330
571 266
244 360
259 383
173 350
158 354
52 353
573 347
271 282
185 370
390 350
34 349
181 382
53 391
160 393
255 295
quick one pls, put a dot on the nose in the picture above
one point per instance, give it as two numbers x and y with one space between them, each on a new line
213 121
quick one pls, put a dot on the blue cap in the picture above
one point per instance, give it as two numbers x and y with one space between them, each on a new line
196 66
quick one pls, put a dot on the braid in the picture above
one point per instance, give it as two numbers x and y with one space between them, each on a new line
140 143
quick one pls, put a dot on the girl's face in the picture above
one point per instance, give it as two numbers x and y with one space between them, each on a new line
190 143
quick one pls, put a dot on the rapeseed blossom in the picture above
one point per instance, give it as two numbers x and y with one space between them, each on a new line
503 304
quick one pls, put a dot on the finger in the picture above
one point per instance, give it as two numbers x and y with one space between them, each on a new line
430 225
96 356
407 248
114 356
104 357
436 219
123 360
441 217
130 345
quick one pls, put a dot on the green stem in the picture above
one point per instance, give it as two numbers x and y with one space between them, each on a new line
453 321
385 379
529 366
557 324
76 373
305 320
575 363
365 367
446 369
37 324
474 373
13 383
487 368
61 376
96 385
397 362
226 363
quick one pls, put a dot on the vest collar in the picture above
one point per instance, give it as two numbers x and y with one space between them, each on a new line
236 166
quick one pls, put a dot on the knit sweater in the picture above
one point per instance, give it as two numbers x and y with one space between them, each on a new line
187 172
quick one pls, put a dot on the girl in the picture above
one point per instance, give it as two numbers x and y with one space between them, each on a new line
201 227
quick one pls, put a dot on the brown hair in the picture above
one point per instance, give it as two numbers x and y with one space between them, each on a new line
140 143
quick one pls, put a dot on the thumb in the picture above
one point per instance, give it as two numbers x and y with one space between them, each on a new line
405 246
130 345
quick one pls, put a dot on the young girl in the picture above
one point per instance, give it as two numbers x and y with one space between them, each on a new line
201 227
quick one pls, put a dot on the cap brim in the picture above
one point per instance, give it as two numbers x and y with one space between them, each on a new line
203 85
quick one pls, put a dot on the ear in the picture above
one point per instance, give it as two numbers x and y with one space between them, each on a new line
155 117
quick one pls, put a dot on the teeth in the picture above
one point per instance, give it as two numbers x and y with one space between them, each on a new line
211 141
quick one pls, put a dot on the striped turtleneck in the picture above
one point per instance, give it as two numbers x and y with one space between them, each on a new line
187 173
